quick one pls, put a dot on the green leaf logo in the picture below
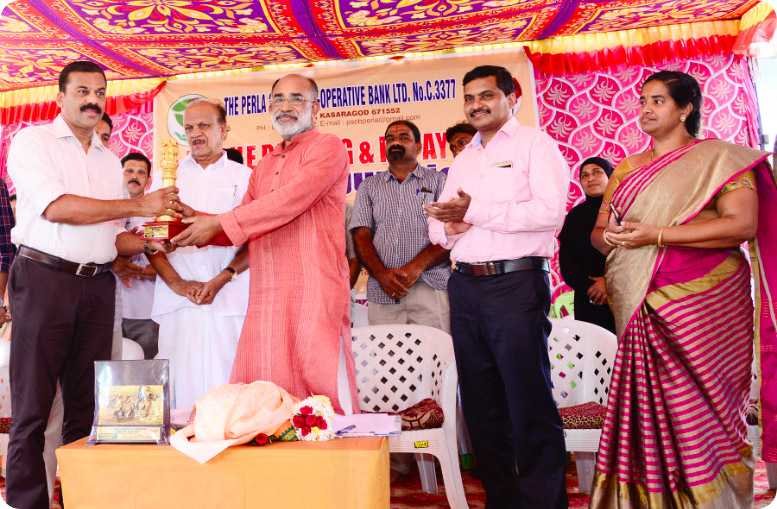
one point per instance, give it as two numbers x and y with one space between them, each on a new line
175 118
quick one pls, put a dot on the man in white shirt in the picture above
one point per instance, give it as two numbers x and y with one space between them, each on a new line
61 288
138 291
202 298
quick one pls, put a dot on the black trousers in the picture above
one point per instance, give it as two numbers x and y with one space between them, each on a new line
62 324
500 328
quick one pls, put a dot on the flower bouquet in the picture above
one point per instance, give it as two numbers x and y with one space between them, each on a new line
286 435
312 419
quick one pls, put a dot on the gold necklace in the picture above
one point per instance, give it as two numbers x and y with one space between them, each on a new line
653 149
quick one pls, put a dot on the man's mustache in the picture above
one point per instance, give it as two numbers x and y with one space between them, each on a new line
397 148
286 115
91 107
133 181
482 110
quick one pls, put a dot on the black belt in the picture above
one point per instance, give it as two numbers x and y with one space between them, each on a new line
503 266
79 269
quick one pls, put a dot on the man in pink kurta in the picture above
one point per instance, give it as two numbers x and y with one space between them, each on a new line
297 330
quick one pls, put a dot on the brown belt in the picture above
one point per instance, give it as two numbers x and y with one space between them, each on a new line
79 269
503 266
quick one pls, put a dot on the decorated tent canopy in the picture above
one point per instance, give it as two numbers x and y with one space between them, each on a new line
153 38
142 43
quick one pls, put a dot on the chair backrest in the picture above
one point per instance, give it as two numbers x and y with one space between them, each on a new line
582 357
359 317
131 351
399 365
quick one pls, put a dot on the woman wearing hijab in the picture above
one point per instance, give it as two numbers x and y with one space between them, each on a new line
582 266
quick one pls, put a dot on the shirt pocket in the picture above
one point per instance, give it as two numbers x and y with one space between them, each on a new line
420 200
222 199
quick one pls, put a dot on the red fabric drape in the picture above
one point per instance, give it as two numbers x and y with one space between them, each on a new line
48 110
656 53
760 32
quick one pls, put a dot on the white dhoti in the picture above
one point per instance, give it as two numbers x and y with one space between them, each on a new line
201 347
201 340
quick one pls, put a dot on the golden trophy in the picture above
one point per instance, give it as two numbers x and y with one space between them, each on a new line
166 227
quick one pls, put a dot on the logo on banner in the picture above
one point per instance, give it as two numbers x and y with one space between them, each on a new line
175 118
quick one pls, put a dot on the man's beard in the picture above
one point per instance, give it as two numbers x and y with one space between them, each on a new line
287 129
395 153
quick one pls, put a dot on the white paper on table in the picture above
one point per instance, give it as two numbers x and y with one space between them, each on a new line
368 425
201 452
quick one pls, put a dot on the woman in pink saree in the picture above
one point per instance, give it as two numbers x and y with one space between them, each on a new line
675 435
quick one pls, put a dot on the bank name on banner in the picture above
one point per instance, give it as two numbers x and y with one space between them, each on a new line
358 101
355 96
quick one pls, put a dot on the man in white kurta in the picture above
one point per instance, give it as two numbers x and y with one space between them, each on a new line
201 295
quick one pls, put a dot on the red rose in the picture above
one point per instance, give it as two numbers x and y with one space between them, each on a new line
305 431
298 421
321 423
311 420
262 439
306 410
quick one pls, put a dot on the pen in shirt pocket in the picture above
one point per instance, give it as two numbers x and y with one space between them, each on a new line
425 194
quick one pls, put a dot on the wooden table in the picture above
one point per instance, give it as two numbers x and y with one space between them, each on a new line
340 473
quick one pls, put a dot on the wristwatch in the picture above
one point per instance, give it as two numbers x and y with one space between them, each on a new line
2 304
233 273
147 249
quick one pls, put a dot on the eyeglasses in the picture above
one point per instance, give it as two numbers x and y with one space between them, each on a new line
294 100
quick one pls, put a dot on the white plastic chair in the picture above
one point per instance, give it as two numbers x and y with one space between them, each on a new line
396 367
582 357
131 351
359 316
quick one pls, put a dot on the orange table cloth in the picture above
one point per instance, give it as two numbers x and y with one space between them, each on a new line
340 473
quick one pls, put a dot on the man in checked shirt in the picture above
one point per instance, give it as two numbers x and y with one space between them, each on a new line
408 274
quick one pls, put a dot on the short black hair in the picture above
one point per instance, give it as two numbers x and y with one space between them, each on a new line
78 66
310 80
461 127
504 80
409 125
108 121
136 156
234 154
684 90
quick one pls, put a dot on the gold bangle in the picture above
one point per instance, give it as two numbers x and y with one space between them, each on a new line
660 235
604 236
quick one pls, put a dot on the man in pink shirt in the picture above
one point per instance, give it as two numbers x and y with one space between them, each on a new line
504 198
297 330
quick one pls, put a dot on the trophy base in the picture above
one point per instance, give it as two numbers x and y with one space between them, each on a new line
163 230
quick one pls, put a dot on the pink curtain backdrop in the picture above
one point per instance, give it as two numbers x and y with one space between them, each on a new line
595 114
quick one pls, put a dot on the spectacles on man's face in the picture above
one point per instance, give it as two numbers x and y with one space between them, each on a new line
295 100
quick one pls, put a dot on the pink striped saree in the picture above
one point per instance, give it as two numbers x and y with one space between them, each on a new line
674 434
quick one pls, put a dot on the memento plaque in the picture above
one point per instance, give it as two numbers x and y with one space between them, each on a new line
132 402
